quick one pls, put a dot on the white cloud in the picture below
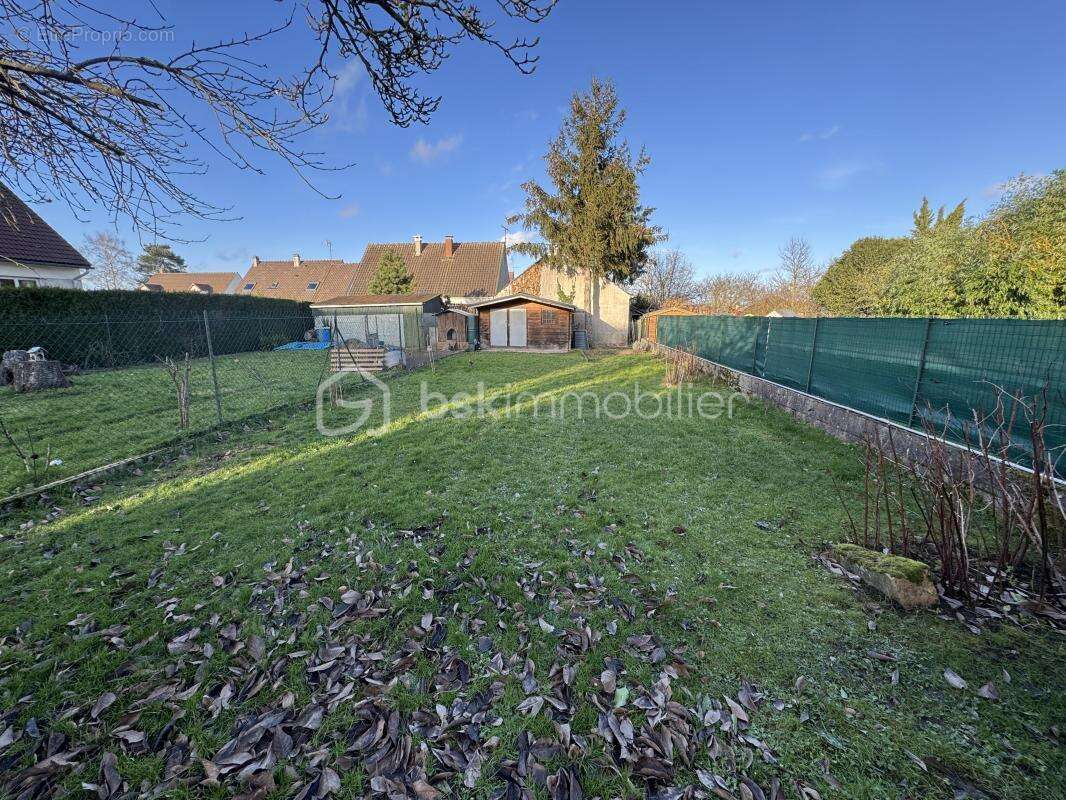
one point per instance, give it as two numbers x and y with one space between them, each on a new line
427 152
234 254
350 93
839 175
828 133
349 76
349 211
518 237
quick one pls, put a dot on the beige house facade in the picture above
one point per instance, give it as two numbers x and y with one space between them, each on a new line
603 306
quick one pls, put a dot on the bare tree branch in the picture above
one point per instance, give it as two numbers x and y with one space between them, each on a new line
115 127
668 276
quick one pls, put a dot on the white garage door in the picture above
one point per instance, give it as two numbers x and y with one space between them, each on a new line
516 324
498 327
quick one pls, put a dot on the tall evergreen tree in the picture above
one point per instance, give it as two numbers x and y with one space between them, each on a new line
391 276
923 219
925 222
593 222
159 258
955 218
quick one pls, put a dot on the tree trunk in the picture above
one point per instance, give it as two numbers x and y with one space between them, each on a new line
32 376
7 366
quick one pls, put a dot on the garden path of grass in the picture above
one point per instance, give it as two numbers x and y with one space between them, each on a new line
540 512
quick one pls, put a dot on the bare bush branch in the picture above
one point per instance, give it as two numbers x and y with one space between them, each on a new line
668 277
179 374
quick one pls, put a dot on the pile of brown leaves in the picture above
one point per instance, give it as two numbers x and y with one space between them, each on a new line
342 718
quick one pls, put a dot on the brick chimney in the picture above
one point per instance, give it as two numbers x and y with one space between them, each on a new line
418 244
296 260
448 247
255 261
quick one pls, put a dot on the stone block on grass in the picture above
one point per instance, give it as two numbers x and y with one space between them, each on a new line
901 579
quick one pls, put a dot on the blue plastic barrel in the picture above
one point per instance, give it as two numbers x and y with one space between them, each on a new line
323 334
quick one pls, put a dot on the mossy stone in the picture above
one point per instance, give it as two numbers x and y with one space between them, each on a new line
903 579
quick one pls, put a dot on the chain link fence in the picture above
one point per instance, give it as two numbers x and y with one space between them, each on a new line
129 371
921 373
124 371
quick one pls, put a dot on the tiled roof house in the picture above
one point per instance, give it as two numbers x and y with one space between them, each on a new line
31 252
292 279
197 282
461 271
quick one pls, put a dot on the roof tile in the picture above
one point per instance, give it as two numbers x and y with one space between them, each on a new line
475 269
26 238
283 280
217 282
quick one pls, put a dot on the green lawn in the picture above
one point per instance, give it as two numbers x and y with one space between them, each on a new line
374 603
109 415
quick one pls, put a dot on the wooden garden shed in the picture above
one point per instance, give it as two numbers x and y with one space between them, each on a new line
524 322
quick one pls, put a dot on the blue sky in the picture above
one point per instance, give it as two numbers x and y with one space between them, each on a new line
763 120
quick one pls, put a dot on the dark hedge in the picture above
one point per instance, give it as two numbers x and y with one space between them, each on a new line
51 302
122 328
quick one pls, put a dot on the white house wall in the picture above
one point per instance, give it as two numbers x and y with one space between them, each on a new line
63 277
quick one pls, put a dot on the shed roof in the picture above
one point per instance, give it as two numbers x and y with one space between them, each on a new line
495 301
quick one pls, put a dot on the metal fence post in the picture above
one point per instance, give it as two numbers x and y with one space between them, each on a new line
110 341
921 371
755 349
814 349
214 371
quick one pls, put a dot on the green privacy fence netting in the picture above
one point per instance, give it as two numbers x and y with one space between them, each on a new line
910 371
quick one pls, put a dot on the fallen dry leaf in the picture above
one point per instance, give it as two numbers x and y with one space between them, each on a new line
954 679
